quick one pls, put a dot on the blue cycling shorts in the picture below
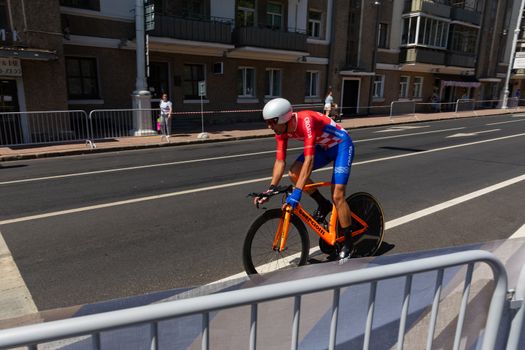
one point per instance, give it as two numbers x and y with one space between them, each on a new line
342 155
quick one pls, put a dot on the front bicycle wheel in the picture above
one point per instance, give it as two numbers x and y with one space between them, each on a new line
258 255
366 207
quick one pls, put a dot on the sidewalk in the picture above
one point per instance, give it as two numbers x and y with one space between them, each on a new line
217 133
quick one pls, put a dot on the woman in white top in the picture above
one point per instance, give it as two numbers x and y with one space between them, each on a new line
328 102
166 110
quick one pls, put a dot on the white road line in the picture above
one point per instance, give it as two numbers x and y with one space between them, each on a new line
15 298
391 224
433 209
520 233
510 121
195 190
107 171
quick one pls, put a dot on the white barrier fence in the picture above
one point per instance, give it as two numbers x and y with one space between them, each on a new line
24 128
49 127
266 297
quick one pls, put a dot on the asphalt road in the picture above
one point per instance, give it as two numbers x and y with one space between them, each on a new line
94 227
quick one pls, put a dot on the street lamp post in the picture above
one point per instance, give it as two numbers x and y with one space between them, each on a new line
511 58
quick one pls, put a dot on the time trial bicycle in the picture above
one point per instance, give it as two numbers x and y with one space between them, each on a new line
278 239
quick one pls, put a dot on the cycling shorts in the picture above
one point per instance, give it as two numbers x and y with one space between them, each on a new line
341 154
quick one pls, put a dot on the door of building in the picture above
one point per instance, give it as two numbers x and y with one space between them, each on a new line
349 105
10 128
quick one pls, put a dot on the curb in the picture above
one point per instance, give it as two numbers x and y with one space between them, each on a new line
75 152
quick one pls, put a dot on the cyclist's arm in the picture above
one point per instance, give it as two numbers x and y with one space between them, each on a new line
306 171
278 171
280 159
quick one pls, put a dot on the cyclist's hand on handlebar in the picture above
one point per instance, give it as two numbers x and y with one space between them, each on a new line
264 197
294 198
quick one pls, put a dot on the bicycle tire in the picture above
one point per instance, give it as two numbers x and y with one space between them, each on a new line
258 256
365 206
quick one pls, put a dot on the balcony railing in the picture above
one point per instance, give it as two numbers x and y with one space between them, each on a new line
269 38
460 60
422 55
465 15
438 8
213 30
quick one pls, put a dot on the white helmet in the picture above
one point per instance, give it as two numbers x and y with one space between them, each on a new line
278 108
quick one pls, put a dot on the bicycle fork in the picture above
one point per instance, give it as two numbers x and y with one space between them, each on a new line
279 242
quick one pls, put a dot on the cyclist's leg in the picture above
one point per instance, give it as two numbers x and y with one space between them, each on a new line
342 166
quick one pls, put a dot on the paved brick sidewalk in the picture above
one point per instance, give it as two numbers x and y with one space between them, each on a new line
218 133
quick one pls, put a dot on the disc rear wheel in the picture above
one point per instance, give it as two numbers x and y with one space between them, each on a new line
367 208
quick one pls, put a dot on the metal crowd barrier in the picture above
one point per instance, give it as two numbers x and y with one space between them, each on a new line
152 314
402 108
49 127
463 105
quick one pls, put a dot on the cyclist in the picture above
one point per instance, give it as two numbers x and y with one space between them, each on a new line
324 141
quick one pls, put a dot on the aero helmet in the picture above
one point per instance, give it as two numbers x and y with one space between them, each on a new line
278 108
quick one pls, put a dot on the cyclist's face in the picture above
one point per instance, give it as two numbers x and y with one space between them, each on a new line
277 128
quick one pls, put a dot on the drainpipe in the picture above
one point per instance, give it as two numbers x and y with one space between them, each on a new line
377 4
330 15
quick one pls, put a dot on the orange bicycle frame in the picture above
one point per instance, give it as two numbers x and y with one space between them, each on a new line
329 236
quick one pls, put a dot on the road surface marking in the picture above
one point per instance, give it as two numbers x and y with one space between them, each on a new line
402 128
472 133
107 171
433 209
388 225
238 183
15 298
520 233
510 121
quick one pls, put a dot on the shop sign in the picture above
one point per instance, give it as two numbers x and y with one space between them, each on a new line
519 60
10 67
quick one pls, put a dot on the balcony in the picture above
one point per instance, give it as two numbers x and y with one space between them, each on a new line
464 15
269 39
422 55
213 30
437 8
460 60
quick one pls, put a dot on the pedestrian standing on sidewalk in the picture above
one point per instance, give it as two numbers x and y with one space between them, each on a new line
166 110
328 102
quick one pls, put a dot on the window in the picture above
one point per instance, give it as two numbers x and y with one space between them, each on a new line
274 15
382 36
245 13
418 87
466 4
82 81
403 86
4 21
273 82
246 82
420 30
158 80
193 9
379 86
312 84
464 39
193 73
314 24
82 4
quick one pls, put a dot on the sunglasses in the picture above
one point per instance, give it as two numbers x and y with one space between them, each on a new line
271 122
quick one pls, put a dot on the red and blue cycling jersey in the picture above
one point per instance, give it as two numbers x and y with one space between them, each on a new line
324 139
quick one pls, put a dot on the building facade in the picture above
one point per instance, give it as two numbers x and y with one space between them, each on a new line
81 54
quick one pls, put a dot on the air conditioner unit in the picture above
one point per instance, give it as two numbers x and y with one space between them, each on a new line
218 68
